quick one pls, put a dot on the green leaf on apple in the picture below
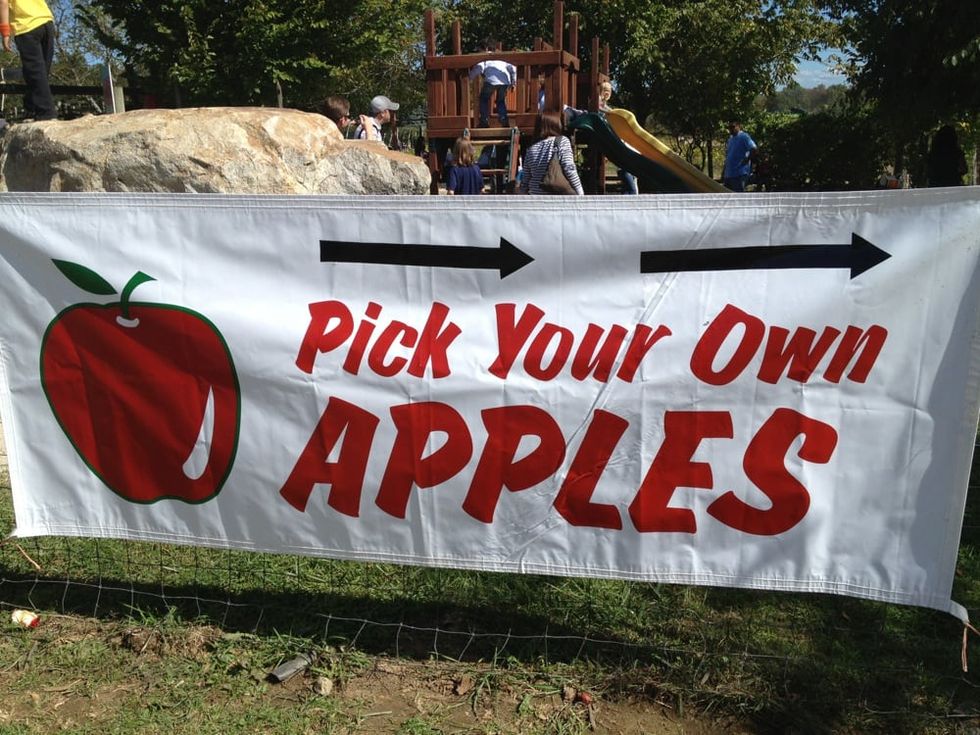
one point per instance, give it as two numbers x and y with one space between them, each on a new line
133 282
85 278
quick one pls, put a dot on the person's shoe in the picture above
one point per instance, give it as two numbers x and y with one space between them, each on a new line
484 123
505 123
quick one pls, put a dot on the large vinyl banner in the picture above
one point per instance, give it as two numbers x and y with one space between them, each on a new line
763 391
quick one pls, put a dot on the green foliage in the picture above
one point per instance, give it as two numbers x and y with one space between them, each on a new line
837 150
712 59
794 98
687 65
917 60
245 51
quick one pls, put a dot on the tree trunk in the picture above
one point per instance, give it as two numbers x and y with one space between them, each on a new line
711 158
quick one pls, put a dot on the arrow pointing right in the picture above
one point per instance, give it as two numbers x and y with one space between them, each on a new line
859 256
506 258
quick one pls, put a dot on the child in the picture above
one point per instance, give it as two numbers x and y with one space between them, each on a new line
337 108
32 26
464 176
498 76
382 109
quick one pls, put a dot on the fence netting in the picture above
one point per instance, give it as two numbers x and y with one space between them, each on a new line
718 647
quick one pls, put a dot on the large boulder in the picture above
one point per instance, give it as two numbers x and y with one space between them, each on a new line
230 150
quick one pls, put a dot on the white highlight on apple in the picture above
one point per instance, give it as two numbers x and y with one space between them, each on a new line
197 460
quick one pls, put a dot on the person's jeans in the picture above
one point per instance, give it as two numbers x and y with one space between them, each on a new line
485 93
36 48
629 182
736 183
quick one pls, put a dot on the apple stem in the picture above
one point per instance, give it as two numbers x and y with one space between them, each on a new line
131 285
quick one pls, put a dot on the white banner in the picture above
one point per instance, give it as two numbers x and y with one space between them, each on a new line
763 391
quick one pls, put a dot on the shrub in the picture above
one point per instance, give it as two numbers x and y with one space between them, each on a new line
826 151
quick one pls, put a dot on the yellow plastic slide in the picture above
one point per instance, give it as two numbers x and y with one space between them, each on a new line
624 124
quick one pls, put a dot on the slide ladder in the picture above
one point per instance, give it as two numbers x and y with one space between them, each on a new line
507 143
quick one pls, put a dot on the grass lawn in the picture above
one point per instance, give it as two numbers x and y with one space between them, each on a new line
139 637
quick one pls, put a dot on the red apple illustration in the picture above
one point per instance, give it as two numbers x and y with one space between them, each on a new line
146 393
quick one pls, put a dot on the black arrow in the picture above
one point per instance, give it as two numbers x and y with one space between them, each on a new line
859 256
506 258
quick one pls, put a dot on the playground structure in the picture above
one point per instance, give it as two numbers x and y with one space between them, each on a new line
624 141
555 68
453 99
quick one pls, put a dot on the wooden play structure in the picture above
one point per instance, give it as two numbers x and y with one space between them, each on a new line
453 99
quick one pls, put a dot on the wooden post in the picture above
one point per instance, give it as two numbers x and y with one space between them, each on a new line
596 158
573 34
457 37
555 89
558 31
429 25
593 101
430 33
113 99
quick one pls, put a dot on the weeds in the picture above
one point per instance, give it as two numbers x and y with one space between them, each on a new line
182 630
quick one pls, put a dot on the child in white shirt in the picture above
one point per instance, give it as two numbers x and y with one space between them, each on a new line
498 77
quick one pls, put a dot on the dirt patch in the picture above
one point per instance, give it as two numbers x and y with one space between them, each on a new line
94 676
457 698
195 642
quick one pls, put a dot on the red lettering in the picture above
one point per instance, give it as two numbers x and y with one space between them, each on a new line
511 336
600 365
574 500
318 337
672 468
764 465
346 475
407 466
870 344
433 344
376 360
706 350
534 360
506 426
643 339
352 363
800 354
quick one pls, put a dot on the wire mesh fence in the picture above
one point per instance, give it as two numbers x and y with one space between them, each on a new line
722 648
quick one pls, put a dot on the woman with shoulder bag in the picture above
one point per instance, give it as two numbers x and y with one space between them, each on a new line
549 164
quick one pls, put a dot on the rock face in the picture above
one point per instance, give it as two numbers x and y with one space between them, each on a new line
229 150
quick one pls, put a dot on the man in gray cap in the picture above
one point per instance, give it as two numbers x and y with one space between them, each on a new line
381 109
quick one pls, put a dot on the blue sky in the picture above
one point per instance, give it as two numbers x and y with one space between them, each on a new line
814 73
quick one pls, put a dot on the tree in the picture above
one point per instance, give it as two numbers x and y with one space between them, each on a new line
245 51
78 56
688 64
918 60
794 98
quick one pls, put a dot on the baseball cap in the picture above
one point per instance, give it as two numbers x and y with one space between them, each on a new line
382 103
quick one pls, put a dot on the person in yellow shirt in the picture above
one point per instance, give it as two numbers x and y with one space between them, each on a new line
32 26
